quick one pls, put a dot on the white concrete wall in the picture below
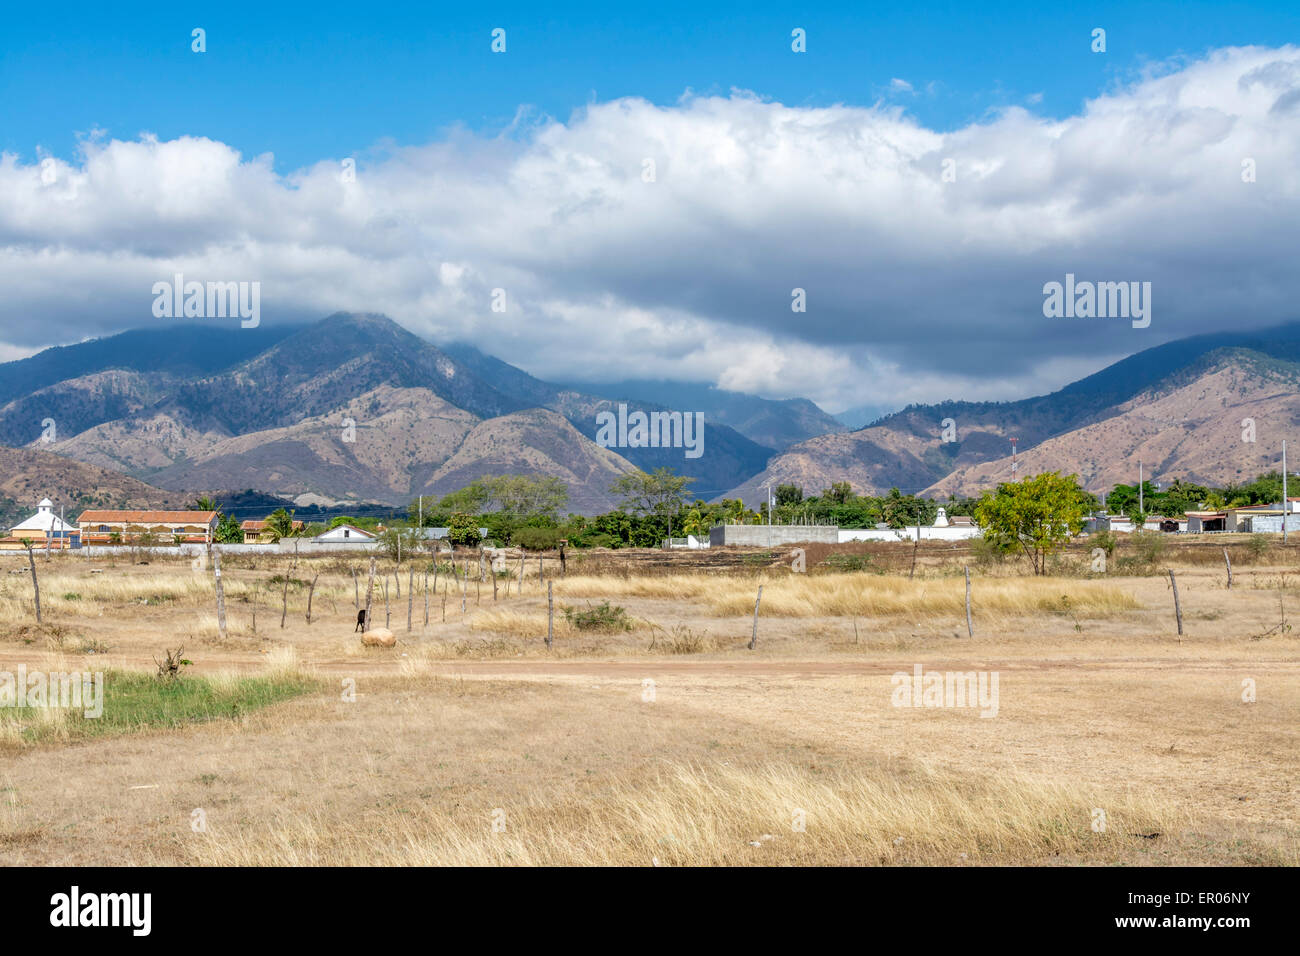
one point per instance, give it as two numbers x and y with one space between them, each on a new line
908 534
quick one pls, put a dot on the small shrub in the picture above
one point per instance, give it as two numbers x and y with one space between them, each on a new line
847 562
537 539
682 640
1150 546
985 552
169 669
279 579
1259 546
602 617
71 596
1105 540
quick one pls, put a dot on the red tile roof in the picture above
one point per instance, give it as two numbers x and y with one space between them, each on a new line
145 517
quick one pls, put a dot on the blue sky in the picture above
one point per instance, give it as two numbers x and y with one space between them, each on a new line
313 81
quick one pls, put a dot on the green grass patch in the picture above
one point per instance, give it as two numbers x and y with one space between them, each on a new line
135 701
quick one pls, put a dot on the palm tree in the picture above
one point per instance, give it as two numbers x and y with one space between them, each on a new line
279 524
204 503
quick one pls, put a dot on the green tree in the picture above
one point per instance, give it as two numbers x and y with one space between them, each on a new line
279 524
838 493
789 494
228 530
1037 515
462 530
657 495
528 497
400 541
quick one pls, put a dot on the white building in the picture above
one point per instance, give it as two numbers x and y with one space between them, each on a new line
45 526
956 528
344 534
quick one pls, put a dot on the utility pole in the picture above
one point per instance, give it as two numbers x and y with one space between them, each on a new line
1014 464
420 511
1141 510
769 514
1285 506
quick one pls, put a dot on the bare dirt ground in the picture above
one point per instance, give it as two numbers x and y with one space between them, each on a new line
470 742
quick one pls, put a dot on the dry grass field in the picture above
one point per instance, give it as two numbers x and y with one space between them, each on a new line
659 737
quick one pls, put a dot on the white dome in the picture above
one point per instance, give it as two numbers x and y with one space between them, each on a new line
45 503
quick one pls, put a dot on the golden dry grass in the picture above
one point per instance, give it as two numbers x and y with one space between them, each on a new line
1102 705
722 815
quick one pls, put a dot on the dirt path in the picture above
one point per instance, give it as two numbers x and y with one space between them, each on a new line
391 662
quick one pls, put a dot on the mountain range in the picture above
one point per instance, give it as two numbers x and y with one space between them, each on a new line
353 408
356 409
1211 409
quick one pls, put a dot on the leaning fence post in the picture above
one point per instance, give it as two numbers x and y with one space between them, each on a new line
410 593
754 638
1178 611
970 630
310 593
1228 562
550 615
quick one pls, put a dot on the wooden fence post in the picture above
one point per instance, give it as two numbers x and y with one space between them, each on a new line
370 589
1228 562
284 602
426 598
550 615
36 588
970 629
356 592
754 638
221 593
311 593
388 613
410 594
1178 611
